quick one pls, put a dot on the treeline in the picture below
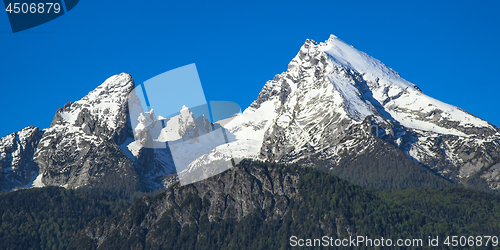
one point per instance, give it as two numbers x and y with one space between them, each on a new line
326 205
384 166
47 218
463 211
50 218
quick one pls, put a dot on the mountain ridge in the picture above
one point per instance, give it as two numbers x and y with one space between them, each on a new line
332 102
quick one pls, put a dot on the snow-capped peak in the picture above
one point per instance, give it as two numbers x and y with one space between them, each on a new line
332 37
387 90
106 102
372 69
82 128
332 91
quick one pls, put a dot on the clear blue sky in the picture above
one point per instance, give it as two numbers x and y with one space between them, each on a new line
451 49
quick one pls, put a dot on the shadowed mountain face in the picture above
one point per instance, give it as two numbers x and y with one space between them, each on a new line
17 168
335 107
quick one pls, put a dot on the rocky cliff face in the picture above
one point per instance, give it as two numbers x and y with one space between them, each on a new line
231 195
80 147
17 169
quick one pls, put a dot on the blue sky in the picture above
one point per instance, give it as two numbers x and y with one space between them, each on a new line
450 49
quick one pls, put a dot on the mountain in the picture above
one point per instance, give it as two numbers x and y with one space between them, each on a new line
81 146
335 103
335 108
91 144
